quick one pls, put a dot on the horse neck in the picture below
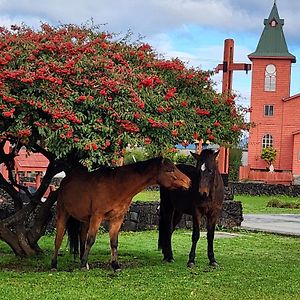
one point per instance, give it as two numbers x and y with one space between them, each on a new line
140 175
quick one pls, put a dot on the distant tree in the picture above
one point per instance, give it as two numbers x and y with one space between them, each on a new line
235 161
80 96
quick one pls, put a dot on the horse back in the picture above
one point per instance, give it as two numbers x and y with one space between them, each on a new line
78 192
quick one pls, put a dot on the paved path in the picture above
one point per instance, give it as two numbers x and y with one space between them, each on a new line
287 224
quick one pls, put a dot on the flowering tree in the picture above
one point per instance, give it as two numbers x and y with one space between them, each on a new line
81 96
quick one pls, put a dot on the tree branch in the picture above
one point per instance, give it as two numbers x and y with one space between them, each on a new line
20 215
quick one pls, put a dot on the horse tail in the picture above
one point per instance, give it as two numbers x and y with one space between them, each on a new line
73 230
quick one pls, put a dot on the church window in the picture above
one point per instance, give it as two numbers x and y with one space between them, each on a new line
270 78
267 141
273 23
269 110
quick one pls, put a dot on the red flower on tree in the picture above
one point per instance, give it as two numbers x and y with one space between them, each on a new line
171 93
86 84
147 141
203 112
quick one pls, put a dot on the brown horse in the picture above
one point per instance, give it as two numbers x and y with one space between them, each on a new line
204 198
105 194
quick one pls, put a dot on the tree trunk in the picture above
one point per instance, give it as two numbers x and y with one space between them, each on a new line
22 229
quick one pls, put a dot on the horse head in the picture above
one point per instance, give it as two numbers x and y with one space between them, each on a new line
170 177
206 167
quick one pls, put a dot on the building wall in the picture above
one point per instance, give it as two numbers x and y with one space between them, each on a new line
290 146
296 155
274 125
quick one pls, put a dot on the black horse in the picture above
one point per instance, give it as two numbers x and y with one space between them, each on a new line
204 198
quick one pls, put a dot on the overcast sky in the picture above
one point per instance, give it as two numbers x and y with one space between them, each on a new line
193 30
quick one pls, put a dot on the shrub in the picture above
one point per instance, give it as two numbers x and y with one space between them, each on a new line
135 155
268 154
281 204
235 161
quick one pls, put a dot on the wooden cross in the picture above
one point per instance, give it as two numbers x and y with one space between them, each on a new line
228 66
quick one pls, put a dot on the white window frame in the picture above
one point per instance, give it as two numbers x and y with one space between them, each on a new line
267 140
270 78
268 110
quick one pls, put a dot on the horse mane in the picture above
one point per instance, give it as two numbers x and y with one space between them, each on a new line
207 153
141 166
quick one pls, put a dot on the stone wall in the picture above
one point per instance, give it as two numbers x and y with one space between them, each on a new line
257 189
144 215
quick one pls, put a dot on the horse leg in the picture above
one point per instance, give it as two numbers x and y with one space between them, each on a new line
165 234
211 225
61 221
176 219
114 228
83 234
195 239
94 224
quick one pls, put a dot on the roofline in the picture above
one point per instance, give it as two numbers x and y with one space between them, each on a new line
291 97
296 132
292 57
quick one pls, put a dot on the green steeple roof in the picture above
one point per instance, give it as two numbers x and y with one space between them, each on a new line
272 41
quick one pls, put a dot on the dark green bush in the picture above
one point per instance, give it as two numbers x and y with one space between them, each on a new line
139 154
235 161
135 155
281 204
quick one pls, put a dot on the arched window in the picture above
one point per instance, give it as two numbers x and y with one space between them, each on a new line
270 78
267 141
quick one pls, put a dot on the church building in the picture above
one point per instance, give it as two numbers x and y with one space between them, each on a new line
275 113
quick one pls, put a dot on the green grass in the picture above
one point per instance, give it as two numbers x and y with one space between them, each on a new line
146 196
252 266
258 204
251 204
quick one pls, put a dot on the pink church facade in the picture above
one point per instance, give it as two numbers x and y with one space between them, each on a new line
275 113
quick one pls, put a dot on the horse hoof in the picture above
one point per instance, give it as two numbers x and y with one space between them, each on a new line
85 268
169 260
117 270
116 266
53 269
214 264
191 264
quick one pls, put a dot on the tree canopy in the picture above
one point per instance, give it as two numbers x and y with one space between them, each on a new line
77 94
81 92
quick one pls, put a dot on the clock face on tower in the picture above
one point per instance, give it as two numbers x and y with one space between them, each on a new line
270 69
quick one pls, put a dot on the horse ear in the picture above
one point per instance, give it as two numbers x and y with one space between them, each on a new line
168 164
195 155
216 153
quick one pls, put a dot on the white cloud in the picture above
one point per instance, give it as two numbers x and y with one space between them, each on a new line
154 16
157 19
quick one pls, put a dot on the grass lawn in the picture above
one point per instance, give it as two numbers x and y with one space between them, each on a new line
147 196
251 204
252 266
258 204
